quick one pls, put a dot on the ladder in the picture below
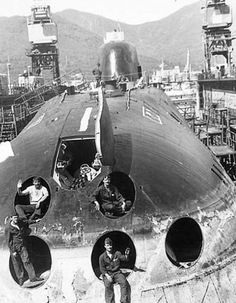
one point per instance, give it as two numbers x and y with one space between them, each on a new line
8 130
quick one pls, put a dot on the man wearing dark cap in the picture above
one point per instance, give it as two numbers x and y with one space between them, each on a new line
16 236
109 199
109 264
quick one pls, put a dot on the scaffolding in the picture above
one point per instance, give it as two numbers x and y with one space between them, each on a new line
218 131
8 130
42 32
217 18
15 116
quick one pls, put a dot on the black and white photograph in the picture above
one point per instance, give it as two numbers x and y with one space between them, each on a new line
118 151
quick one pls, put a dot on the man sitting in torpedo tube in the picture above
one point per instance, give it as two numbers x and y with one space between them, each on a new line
109 200
109 264
37 195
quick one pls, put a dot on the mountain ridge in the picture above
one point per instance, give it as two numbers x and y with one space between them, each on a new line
80 35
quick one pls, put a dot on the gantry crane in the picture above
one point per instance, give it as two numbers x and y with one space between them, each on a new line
217 18
42 32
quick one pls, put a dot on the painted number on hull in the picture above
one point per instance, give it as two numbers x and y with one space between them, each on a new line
151 113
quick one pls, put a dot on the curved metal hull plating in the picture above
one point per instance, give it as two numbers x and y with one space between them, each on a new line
174 177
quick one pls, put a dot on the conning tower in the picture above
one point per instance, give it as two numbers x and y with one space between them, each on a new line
118 60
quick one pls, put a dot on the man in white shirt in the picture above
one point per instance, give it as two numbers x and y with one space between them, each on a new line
37 195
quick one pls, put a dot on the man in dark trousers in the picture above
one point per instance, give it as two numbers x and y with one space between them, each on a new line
17 234
109 199
109 264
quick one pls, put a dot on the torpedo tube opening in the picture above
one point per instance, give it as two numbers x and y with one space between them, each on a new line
122 197
37 255
120 242
184 241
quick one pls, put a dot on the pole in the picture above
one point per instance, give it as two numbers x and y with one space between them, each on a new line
28 73
8 77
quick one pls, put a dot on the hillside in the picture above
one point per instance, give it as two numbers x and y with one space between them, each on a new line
13 44
80 35
166 39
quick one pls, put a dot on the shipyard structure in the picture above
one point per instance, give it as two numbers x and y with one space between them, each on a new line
206 99
39 82
216 121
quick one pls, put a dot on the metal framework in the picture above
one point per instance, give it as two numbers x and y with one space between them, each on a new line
45 57
42 33
217 35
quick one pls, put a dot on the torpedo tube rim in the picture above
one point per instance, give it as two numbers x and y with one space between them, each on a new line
119 177
29 181
98 249
38 244
194 228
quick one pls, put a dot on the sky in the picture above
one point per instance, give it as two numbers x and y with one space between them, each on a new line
128 11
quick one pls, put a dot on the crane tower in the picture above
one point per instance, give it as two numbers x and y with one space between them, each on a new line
217 18
42 33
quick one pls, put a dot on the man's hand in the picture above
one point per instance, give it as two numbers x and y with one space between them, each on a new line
97 206
37 205
109 278
14 254
123 206
19 184
127 251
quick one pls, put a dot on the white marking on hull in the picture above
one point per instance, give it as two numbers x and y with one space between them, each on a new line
35 123
113 63
151 113
6 151
85 119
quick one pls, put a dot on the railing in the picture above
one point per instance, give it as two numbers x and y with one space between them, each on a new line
13 118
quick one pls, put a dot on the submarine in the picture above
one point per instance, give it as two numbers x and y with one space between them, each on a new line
180 225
